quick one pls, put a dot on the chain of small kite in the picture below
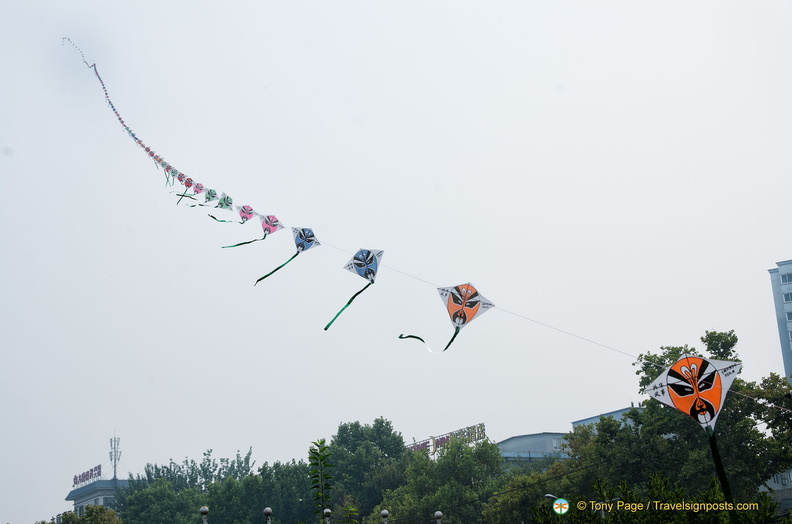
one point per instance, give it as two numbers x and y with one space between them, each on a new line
157 158
172 173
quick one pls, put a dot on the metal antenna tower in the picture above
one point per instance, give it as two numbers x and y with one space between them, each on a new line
115 455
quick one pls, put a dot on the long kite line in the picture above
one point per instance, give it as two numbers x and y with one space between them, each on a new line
271 224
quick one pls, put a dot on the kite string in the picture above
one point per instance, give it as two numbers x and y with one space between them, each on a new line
565 332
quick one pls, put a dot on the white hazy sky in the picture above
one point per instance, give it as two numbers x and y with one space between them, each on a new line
616 169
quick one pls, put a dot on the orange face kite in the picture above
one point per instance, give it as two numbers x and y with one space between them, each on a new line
463 303
696 386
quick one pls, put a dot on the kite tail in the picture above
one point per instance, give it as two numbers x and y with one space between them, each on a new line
184 195
347 305
277 268
416 337
228 221
456 332
249 242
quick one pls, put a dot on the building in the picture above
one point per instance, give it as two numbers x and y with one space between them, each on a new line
537 446
615 415
781 280
780 487
90 488
97 493
532 448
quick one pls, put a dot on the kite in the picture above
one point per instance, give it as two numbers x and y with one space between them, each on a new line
463 303
697 387
365 263
209 196
304 239
269 223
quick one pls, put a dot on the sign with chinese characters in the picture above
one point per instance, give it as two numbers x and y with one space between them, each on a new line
432 444
95 473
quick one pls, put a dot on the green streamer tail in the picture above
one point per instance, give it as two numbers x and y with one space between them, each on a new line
347 305
248 242
217 219
277 268
184 195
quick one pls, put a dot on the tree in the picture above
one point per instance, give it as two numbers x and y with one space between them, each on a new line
318 455
367 460
458 483
161 503
92 515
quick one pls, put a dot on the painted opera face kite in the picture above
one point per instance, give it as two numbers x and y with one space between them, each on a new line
463 303
696 386
365 264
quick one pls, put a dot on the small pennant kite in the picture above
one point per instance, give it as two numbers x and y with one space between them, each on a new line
365 263
463 303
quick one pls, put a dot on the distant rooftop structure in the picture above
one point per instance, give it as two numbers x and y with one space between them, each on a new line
96 493
537 446
616 415
90 488
532 447
781 280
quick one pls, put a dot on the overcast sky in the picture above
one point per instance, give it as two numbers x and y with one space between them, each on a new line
618 170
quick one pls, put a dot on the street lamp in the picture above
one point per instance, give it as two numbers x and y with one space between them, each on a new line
204 511
267 514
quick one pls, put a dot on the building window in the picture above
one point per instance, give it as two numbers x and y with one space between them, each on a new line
556 444
786 278
787 297
789 316
790 335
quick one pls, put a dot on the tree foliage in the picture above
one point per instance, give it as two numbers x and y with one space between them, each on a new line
368 461
173 494
92 515
457 483
318 455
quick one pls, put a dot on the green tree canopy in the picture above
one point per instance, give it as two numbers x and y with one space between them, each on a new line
367 461
457 483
